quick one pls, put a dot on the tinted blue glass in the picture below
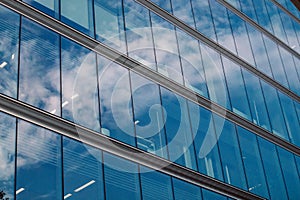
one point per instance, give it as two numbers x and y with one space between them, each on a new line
7 154
272 169
206 139
191 62
252 162
256 100
121 178
233 169
179 133
209 195
275 61
291 120
290 174
222 26
155 185
290 69
83 20
109 23
217 88
166 48
50 7
185 191
163 4
39 173
236 88
39 67
241 38
274 109
183 9
259 51
79 85
148 113
115 101
139 33
203 18
82 171
9 37
262 14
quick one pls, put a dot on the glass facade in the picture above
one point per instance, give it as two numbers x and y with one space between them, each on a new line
60 77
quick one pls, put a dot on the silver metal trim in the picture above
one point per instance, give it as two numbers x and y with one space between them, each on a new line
144 71
199 36
100 141
260 28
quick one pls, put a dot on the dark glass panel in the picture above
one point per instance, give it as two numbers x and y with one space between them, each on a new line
155 185
272 169
82 171
252 162
39 173
50 7
185 191
121 179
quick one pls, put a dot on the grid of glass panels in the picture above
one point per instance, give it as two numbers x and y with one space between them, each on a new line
290 7
40 164
186 61
147 116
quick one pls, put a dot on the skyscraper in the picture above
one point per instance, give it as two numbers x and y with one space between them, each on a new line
125 99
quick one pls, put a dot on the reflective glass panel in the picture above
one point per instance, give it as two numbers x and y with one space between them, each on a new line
39 173
9 37
7 154
39 67
185 191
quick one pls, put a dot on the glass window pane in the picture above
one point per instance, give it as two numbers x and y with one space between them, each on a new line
252 162
78 14
39 67
49 7
209 195
7 154
39 173
109 23
206 139
79 85
290 174
115 101
185 191
82 171
233 168
272 169
148 112
155 185
274 109
121 178
236 88
9 37
179 135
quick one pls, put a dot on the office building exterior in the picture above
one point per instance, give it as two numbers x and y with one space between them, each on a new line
140 99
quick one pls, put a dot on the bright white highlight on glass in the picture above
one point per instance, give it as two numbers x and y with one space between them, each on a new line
53 111
12 56
84 186
64 103
67 196
74 96
20 190
3 64
136 122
